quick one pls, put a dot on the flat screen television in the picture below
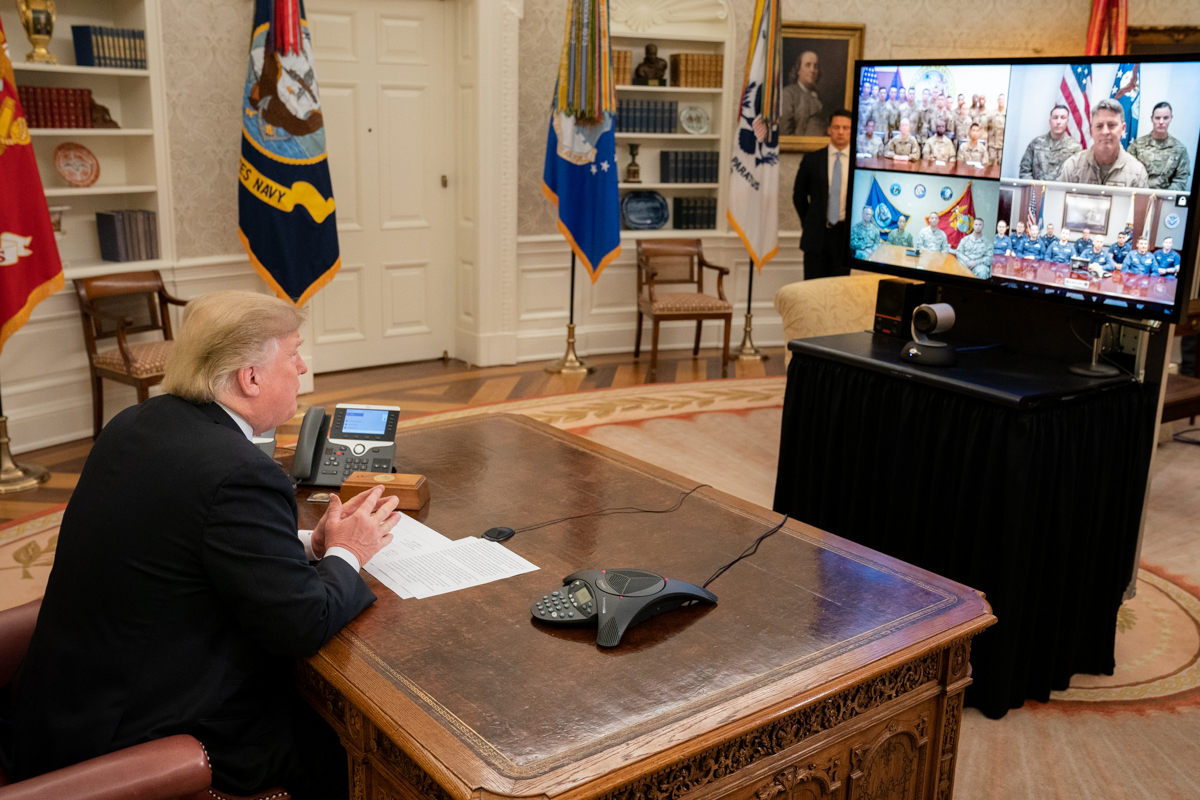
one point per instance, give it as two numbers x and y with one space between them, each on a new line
955 164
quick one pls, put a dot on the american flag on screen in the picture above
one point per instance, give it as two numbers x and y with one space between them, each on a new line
869 78
1075 89
1035 216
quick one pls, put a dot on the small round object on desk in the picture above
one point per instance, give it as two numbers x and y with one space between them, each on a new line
499 534
78 165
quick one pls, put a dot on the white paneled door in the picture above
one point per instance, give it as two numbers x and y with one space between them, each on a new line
384 71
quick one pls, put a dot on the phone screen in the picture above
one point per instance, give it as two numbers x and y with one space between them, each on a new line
369 421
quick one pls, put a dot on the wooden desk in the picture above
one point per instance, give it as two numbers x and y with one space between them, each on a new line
929 260
928 167
825 667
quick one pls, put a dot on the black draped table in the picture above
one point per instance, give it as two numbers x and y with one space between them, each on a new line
1005 473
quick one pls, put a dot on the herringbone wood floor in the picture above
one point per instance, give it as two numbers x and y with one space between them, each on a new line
422 388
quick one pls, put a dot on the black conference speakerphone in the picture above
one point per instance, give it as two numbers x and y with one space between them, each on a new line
615 599
361 439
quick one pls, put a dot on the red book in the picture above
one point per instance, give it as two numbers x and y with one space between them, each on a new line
86 108
30 268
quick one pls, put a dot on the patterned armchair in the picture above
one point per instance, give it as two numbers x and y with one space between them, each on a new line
827 306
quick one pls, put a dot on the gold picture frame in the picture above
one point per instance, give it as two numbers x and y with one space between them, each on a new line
837 46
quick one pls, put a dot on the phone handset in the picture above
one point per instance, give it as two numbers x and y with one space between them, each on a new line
310 444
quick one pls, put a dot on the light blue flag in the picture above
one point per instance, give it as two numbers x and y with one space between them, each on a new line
1127 91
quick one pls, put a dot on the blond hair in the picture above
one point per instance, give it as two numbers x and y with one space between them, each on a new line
223 332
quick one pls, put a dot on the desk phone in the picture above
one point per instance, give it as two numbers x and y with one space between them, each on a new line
359 438
615 600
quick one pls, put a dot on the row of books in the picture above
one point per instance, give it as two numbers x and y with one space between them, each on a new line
688 166
622 67
697 70
127 235
56 108
695 213
96 46
647 116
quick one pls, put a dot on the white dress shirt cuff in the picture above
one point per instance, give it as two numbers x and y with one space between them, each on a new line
337 552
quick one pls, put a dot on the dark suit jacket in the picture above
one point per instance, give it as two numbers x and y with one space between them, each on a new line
179 597
811 197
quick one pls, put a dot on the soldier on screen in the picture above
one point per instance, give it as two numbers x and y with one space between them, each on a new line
1048 238
1140 261
974 253
1120 251
995 130
932 237
1105 163
866 105
1061 251
1002 243
1084 243
1164 157
1098 258
904 145
867 143
864 236
1166 260
939 147
900 236
1045 155
973 149
1030 245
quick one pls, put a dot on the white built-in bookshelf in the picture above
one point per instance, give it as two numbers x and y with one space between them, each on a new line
133 158
712 37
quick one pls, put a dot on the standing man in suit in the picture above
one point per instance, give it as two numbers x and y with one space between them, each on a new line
820 199
181 592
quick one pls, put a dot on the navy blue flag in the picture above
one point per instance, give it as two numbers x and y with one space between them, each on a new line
886 216
286 217
580 175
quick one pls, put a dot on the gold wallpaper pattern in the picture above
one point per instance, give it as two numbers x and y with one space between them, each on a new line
994 28
207 44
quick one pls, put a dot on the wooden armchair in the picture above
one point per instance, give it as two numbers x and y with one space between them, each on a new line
678 261
173 768
117 306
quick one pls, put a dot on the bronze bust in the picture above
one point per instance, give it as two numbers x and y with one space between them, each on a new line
652 71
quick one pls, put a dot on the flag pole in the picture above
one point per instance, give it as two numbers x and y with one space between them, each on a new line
570 364
746 351
16 477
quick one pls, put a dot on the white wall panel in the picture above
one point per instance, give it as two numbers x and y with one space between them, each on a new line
406 298
340 312
403 190
333 36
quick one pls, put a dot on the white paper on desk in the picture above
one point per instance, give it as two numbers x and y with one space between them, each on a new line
461 565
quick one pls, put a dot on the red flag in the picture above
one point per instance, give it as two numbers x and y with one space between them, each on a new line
956 221
30 270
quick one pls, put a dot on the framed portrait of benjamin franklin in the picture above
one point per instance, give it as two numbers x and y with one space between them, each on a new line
818 79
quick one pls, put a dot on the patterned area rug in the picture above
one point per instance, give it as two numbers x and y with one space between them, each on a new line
726 434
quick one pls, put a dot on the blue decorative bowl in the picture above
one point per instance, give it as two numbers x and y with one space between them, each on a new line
644 211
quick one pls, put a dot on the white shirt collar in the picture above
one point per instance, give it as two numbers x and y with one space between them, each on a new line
241 423
845 151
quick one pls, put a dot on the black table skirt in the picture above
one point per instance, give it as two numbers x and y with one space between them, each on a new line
1039 509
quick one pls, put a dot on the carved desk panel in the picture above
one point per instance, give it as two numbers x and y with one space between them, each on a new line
825 669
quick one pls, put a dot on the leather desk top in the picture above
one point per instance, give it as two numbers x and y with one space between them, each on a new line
469 678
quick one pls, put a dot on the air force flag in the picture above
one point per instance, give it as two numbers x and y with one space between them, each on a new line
581 179
580 176
286 217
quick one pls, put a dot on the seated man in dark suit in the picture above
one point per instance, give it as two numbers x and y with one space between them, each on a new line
181 593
